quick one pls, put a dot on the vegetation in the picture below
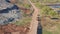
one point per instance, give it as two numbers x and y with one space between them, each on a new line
46 1
23 3
48 11
49 26
45 10
39 5
34 1
46 32
50 1
52 30
25 17
23 21
27 5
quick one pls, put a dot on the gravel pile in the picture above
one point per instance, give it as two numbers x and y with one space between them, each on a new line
8 12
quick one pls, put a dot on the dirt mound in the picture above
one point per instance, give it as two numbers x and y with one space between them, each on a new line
11 29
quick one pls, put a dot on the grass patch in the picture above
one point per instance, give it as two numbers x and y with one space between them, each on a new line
24 3
23 21
57 31
46 32
46 10
51 27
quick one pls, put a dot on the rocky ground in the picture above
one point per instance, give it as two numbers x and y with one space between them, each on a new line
13 29
8 12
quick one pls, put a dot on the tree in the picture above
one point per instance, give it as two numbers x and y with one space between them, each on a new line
48 11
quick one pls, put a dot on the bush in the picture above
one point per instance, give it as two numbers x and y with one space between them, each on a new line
48 11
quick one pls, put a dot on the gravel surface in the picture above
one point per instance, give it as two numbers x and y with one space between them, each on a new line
8 12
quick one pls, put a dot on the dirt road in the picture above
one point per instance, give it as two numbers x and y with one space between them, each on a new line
34 22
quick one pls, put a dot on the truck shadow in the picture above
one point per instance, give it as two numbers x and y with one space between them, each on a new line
39 28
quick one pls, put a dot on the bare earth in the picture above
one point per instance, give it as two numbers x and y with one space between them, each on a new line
34 22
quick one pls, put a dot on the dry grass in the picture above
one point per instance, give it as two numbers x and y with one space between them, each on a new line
47 21
50 26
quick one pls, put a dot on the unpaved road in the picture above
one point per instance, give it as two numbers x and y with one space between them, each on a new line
34 22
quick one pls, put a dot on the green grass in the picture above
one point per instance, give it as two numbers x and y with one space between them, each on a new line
34 1
39 5
46 32
27 5
23 21
50 32
24 4
46 10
